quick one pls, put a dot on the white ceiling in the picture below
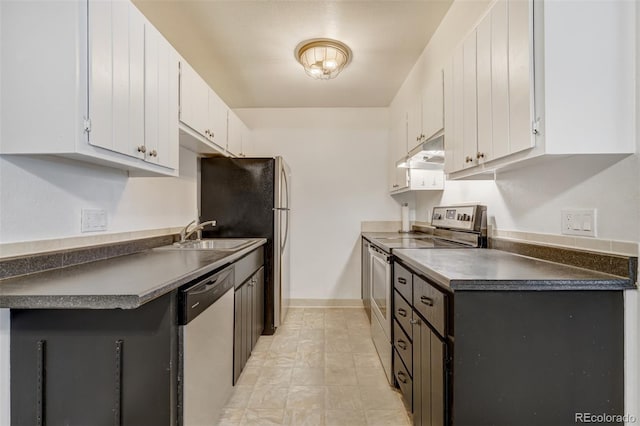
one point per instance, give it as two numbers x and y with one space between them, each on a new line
244 48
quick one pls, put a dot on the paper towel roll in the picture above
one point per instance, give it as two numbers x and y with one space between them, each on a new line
405 217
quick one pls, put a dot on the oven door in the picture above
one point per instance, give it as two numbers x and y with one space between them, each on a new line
380 277
381 287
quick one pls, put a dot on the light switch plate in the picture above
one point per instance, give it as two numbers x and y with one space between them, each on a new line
580 222
93 220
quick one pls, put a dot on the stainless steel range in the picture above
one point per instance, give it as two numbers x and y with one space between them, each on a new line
454 227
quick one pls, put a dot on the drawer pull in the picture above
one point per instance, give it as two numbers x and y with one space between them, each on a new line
426 300
402 377
402 344
402 280
402 312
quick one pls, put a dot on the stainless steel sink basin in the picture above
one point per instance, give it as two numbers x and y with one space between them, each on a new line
229 244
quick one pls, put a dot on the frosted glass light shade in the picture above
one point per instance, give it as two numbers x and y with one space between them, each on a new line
323 59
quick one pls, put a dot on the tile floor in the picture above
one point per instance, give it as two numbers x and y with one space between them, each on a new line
320 368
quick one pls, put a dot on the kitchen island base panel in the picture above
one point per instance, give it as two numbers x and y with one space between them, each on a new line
537 357
95 367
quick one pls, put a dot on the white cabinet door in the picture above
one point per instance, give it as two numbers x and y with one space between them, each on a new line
234 141
116 77
398 176
433 107
194 100
449 130
414 124
458 109
500 79
217 120
247 141
469 100
520 97
483 64
161 100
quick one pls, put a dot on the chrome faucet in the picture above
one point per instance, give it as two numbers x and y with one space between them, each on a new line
188 231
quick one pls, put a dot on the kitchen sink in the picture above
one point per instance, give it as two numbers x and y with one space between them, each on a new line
210 244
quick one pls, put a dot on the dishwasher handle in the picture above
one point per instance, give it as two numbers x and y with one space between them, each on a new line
196 297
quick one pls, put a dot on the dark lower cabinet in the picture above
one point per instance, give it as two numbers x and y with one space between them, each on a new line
95 367
429 353
249 319
517 358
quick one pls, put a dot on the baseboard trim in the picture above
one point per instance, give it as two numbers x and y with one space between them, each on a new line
325 303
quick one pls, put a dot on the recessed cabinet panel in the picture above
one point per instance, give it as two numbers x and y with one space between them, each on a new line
433 107
161 100
485 109
449 124
194 99
520 114
469 100
217 119
458 109
500 79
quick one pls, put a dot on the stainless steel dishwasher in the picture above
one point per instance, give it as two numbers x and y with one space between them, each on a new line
206 348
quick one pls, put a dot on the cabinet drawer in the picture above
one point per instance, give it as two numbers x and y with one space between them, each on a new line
405 383
403 346
431 303
402 312
402 281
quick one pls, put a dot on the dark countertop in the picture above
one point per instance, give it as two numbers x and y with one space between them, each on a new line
389 241
125 282
487 269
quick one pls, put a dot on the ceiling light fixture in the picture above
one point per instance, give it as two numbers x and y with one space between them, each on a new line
323 58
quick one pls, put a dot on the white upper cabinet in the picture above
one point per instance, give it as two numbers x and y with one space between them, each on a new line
234 141
539 91
194 100
161 100
433 106
469 102
203 115
398 177
240 142
83 78
426 115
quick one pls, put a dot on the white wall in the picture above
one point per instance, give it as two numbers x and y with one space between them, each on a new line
41 198
530 199
338 163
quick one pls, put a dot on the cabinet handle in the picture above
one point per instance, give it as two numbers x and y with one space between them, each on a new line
402 377
426 300
480 155
402 312
395 185
414 321
211 134
402 345
153 153
468 159
142 149
402 280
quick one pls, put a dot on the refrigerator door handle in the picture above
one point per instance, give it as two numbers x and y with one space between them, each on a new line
286 233
281 209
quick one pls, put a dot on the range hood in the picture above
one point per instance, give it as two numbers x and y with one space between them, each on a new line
427 155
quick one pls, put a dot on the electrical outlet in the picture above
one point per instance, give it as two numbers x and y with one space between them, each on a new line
579 222
93 220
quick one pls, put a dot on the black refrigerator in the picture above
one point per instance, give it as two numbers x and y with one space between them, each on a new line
251 198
